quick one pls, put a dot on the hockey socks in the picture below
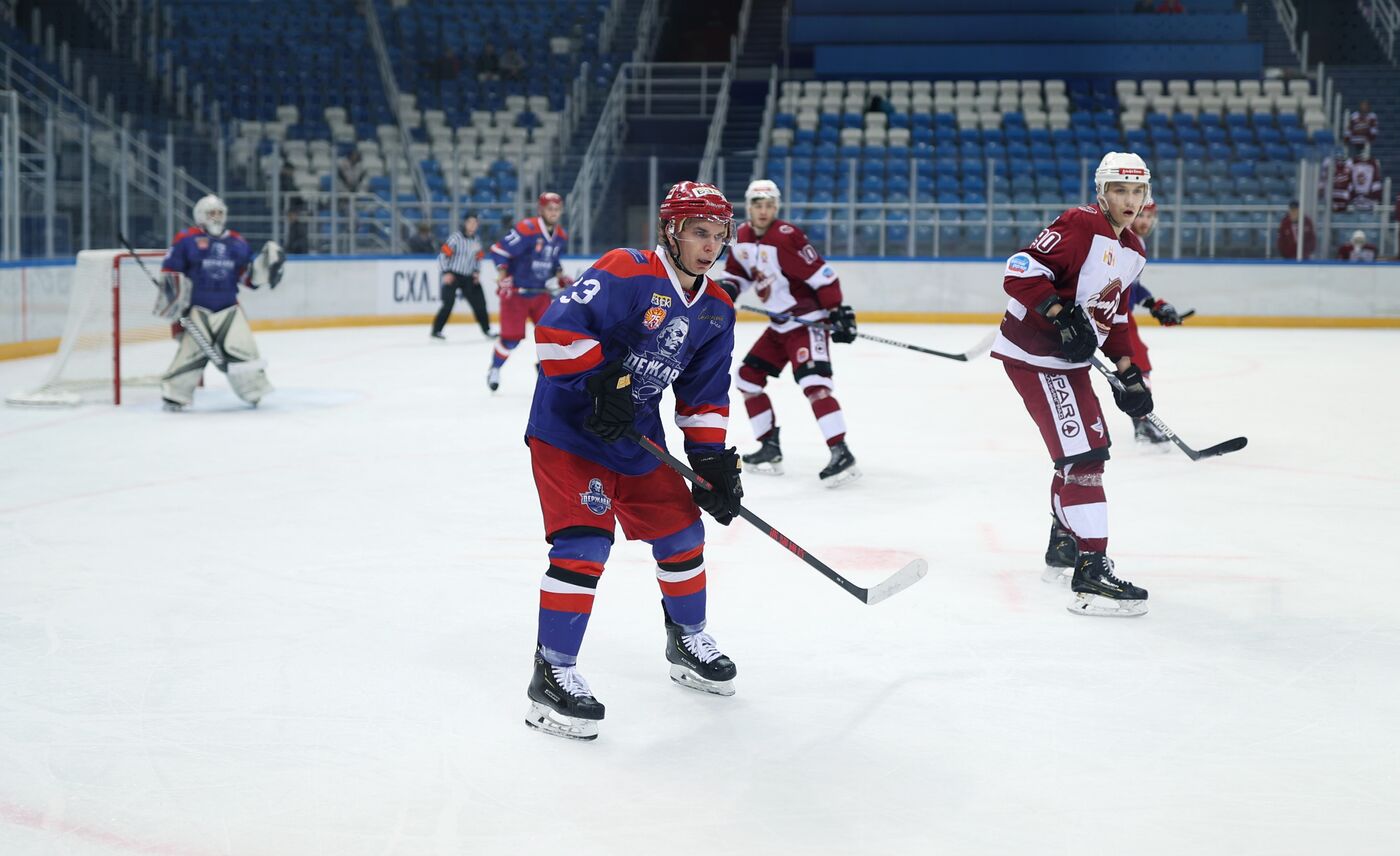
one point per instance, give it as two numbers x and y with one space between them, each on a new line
1076 495
566 592
825 408
680 572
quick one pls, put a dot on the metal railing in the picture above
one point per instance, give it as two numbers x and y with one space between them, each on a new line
765 133
391 91
1384 18
715 138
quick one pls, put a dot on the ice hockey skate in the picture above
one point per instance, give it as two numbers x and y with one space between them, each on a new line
1098 592
1060 555
171 406
493 378
561 703
841 468
696 662
1147 433
436 336
768 460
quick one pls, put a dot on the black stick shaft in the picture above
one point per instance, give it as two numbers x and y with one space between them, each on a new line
1219 449
780 317
205 346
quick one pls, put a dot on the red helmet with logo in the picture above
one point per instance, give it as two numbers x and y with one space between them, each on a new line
693 200
550 196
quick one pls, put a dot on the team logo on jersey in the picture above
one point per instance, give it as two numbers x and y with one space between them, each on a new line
653 317
1108 257
672 336
594 499
1020 263
539 244
202 243
1102 306
803 355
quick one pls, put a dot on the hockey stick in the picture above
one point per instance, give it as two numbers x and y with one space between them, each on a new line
1218 449
205 346
897 582
976 351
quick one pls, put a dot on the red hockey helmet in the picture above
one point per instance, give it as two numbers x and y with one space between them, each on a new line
550 196
689 200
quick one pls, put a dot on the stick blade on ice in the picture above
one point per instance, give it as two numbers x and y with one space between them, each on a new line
898 582
1225 448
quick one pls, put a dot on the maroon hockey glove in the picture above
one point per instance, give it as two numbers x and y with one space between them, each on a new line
721 470
1134 399
611 389
1163 311
843 324
1078 339
564 280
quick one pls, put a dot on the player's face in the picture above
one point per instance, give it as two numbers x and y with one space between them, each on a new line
762 213
700 242
1122 200
551 212
1145 222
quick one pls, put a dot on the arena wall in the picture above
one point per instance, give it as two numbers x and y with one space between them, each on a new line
359 290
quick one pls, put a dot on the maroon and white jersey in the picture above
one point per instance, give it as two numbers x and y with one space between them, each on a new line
1341 184
1365 182
785 271
1352 253
1362 127
1077 258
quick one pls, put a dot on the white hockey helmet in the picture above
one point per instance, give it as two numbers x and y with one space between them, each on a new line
210 214
763 188
1126 167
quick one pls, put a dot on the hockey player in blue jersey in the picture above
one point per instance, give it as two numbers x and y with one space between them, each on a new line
526 259
636 323
201 275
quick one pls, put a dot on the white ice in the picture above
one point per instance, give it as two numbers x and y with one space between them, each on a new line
307 629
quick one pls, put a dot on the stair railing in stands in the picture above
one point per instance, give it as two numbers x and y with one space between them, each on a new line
770 107
1384 19
391 91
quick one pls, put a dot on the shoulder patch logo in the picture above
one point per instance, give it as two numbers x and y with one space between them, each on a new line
653 317
594 499
785 229
1020 263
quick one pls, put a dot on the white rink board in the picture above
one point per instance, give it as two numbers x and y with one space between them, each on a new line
307 629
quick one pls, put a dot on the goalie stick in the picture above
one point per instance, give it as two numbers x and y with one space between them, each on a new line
1218 449
897 582
205 346
975 351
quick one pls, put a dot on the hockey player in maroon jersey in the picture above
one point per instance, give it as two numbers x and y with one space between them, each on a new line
1166 315
775 259
636 323
1068 294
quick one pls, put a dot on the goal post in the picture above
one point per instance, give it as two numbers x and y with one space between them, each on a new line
111 336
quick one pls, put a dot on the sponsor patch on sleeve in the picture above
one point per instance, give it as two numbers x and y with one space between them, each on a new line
1020 263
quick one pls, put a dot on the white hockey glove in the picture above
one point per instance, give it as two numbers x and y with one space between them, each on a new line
267 267
173 295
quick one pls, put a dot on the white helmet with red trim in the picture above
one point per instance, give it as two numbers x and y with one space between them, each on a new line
211 215
1126 167
763 188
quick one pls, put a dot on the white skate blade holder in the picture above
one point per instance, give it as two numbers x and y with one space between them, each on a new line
690 680
767 469
1106 607
849 474
1053 574
541 718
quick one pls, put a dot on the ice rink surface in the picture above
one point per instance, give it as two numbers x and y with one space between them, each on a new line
306 630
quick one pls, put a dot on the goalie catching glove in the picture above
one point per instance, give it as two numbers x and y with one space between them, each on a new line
267 267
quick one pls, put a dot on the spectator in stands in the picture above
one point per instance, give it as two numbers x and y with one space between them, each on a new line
351 172
1364 171
878 104
422 243
298 238
1357 249
1171 7
1362 125
1288 234
488 64
1144 7
512 64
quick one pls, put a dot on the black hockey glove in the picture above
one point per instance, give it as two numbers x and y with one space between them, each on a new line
1077 336
721 470
611 389
1163 311
1134 399
843 324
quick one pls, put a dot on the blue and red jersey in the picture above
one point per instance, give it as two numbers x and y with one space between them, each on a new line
630 306
214 266
530 253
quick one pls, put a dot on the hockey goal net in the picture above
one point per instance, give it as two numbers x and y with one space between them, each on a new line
111 337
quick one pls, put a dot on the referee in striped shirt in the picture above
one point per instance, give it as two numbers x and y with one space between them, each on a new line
460 260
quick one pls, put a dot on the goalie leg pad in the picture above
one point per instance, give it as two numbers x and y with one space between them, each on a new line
245 367
178 382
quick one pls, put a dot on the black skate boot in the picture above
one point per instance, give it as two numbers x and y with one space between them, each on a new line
768 460
1061 554
696 662
1098 592
561 702
841 468
1146 432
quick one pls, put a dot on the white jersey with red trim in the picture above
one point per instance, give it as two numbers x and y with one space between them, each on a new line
785 271
1077 258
